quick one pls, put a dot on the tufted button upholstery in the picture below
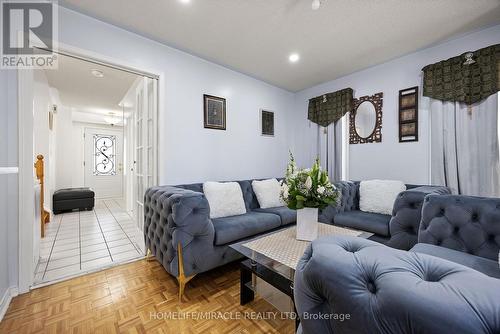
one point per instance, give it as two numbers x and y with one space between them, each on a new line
370 285
469 224
180 214
406 214
385 290
348 201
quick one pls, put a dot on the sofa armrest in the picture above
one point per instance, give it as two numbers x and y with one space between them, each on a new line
349 200
406 215
174 216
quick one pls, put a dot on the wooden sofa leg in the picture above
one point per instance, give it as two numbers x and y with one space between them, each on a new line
182 279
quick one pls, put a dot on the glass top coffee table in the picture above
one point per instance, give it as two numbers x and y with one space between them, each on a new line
273 258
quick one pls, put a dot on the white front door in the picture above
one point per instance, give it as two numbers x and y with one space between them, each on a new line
104 162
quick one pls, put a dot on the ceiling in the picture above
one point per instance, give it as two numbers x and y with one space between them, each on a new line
81 90
256 36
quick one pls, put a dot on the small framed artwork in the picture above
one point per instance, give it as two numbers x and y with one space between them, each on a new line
267 122
407 129
408 115
214 112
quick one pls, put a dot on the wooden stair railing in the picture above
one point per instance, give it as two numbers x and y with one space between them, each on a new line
44 214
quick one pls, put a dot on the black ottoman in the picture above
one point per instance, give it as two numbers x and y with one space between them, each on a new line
71 199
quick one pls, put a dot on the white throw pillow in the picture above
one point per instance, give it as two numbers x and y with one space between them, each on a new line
225 199
268 193
378 196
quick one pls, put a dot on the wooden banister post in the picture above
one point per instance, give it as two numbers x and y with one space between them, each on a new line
44 215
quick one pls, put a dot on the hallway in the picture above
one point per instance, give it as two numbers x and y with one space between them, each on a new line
80 242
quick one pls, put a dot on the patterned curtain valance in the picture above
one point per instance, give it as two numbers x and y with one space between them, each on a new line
329 108
464 78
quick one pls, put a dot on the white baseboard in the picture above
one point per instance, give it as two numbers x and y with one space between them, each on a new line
6 299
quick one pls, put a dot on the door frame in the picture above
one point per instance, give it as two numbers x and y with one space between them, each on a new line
26 155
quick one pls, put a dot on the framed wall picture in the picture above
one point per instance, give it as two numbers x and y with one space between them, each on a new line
267 122
408 115
214 112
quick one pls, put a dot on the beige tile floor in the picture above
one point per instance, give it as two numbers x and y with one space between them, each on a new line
85 241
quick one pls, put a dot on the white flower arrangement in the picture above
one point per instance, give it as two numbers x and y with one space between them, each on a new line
307 188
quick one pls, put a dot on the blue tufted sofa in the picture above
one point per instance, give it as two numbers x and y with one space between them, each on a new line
462 229
398 230
180 215
353 285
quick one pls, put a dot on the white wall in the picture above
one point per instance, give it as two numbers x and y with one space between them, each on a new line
188 152
64 148
390 159
69 171
44 139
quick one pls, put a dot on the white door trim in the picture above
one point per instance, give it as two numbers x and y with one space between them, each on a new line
9 170
26 196
26 155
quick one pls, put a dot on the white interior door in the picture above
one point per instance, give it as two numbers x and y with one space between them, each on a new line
104 162
145 133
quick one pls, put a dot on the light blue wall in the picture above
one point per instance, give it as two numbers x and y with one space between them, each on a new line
389 159
188 152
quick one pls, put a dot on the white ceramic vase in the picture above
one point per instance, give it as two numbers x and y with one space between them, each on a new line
307 224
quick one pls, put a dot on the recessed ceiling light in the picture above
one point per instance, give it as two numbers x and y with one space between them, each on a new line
294 57
97 73
185 1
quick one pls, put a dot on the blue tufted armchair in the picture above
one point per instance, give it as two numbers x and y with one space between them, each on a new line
353 285
462 229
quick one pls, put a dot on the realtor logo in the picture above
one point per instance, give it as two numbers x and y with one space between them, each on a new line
29 34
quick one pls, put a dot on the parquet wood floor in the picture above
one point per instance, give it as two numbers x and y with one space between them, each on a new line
136 298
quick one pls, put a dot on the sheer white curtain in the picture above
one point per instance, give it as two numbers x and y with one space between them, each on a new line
464 146
331 148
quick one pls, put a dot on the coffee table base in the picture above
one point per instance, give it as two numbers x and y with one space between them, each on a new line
247 294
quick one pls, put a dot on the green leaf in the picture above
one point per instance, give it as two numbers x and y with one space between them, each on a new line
300 198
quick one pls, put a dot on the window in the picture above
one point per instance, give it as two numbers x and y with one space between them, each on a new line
104 155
